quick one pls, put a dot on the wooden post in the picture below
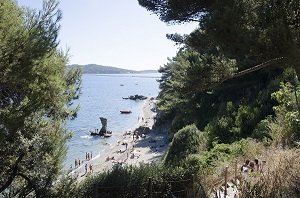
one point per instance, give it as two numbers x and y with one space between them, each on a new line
225 191
193 186
150 188
235 172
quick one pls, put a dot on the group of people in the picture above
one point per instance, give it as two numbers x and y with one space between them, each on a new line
136 136
78 162
252 166
90 168
88 156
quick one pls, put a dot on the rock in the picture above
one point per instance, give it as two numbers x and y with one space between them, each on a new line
103 130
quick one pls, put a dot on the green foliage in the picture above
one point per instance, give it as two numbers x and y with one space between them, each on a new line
251 32
230 66
284 128
178 11
233 35
246 119
261 131
187 73
134 181
65 187
207 161
35 93
188 140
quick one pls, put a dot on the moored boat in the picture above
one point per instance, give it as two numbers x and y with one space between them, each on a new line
125 112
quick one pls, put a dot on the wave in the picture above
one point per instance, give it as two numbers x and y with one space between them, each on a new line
86 137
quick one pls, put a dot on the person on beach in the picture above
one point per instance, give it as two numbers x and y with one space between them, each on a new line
91 168
85 168
91 155
76 163
133 136
85 155
88 156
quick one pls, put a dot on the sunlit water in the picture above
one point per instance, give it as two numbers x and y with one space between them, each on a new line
102 97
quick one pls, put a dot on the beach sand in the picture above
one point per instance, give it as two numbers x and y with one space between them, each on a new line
147 149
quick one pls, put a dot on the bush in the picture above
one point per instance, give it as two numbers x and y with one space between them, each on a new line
221 153
285 126
134 182
188 140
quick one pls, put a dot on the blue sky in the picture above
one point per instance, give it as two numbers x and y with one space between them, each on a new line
116 33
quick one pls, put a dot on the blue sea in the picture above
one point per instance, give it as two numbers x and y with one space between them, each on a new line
101 96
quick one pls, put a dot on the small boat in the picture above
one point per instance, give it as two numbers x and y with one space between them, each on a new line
121 85
107 135
93 133
125 112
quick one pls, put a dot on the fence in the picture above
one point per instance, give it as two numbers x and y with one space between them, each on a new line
229 179
152 189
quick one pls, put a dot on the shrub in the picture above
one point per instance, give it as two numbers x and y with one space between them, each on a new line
188 140
284 128
134 182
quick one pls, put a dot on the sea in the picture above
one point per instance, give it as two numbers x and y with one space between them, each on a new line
101 96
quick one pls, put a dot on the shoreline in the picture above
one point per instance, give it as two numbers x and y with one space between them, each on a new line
149 147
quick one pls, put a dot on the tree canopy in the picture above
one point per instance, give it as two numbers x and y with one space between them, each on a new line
35 95
251 32
223 76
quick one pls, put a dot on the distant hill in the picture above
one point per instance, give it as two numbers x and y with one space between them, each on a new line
100 69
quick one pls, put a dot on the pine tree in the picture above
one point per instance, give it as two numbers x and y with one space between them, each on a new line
35 94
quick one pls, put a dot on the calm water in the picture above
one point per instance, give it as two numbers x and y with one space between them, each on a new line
102 97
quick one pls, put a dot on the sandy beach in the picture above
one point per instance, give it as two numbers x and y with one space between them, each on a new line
143 144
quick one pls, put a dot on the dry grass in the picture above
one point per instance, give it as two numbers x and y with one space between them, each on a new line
216 177
281 176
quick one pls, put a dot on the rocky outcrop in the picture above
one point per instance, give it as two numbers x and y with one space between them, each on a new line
103 130
136 97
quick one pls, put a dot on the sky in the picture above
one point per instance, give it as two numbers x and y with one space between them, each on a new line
117 33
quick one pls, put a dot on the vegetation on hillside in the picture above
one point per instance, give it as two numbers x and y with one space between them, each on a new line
135 182
235 78
230 93
99 69
231 73
232 90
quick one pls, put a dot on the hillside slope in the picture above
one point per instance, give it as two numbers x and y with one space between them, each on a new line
99 69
